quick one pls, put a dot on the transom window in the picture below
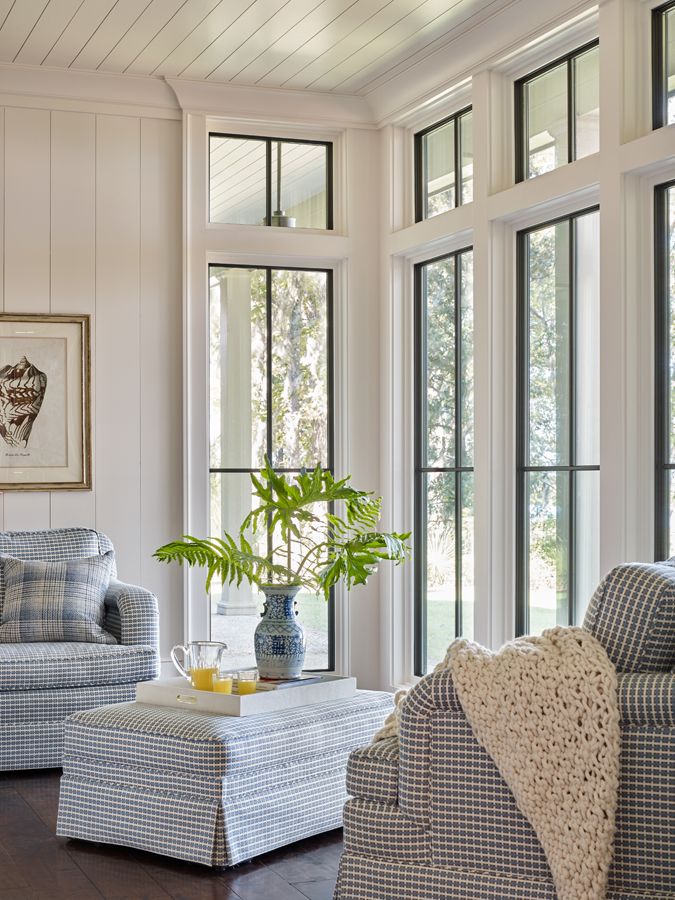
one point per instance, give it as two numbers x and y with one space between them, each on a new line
443 539
444 165
557 113
558 403
270 181
664 284
271 395
663 64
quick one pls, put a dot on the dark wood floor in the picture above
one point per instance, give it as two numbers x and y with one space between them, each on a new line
34 863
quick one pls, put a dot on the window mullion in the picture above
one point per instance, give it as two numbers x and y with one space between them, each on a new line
571 114
458 435
571 565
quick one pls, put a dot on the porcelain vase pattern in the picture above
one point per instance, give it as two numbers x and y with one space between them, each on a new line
279 638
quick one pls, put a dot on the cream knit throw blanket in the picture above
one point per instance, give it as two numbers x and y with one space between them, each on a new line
545 709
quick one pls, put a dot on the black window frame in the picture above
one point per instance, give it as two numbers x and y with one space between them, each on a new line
420 161
663 313
421 469
330 411
523 468
269 141
659 61
520 117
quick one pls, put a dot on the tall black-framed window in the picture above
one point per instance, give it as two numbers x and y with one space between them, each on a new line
270 181
664 352
557 113
270 395
443 482
663 65
444 165
558 406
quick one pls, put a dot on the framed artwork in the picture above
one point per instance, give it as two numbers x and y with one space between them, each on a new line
45 422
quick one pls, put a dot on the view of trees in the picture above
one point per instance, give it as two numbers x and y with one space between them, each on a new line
448 496
239 407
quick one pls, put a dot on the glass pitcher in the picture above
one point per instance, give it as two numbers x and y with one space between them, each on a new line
201 661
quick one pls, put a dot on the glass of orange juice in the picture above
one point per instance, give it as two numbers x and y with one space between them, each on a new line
222 682
247 680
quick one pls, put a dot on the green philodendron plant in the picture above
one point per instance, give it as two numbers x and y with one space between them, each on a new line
315 551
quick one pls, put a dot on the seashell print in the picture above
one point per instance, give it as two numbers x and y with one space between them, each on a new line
22 390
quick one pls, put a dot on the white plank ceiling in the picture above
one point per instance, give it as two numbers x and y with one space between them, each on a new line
346 46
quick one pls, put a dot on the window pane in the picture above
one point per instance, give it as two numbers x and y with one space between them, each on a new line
238 179
587 546
587 103
235 611
439 298
299 369
466 358
549 356
237 380
439 591
670 213
545 102
587 315
467 506
438 148
548 548
301 191
466 151
669 25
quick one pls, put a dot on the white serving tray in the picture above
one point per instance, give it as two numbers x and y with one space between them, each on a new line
179 694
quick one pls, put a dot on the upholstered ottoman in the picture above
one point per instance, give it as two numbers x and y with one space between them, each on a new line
210 789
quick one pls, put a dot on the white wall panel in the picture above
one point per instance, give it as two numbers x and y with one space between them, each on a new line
27 257
161 366
73 259
117 442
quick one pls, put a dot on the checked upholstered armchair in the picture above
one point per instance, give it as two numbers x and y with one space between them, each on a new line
43 683
432 819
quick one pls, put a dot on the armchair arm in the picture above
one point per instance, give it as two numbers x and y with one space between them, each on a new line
647 699
431 702
132 615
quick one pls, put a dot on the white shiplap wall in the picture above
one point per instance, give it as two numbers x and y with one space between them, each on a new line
92 224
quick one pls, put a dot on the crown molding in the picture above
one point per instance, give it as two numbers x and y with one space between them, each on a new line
483 45
253 104
89 91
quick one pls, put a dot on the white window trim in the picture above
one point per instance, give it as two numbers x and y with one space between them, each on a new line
621 178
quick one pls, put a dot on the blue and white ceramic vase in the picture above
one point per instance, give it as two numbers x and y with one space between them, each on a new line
279 638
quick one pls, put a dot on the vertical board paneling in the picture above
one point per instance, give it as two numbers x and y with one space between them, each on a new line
27 262
161 365
117 440
73 261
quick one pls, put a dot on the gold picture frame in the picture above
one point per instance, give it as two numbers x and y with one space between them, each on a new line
45 402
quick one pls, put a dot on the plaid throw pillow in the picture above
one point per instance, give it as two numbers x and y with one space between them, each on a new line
55 601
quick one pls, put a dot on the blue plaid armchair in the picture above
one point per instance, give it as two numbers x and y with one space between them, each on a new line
432 819
42 683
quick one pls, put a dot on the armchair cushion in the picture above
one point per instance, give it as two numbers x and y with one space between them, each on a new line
55 601
632 614
38 666
52 544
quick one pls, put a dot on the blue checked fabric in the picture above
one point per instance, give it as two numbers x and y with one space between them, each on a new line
210 789
55 601
432 819
632 614
43 683
53 544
